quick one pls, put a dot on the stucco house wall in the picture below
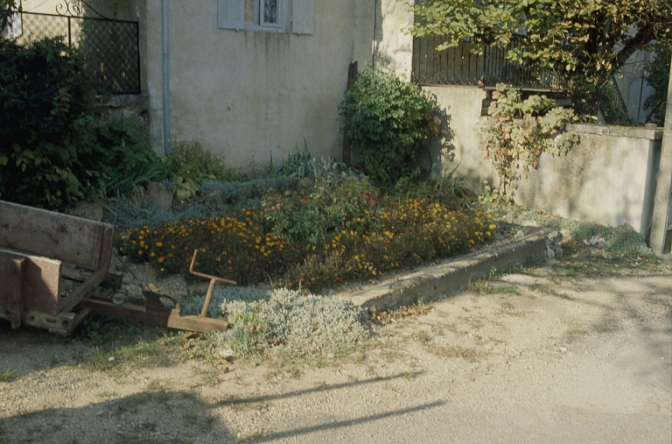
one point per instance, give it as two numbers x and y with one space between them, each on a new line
393 43
249 95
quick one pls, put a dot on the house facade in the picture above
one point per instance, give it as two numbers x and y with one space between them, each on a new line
253 80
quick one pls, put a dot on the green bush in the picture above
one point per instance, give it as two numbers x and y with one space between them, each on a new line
334 202
48 102
385 120
190 165
120 162
54 151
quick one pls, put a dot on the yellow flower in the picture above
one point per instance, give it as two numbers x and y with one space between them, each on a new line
159 244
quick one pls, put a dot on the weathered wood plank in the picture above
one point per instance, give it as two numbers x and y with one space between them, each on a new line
41 283
60 236
11 299
170 319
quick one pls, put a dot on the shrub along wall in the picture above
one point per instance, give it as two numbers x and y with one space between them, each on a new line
56 146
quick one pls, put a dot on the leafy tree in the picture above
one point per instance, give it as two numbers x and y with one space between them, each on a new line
586 41
658 77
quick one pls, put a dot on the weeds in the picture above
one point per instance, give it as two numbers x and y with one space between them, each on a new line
7 375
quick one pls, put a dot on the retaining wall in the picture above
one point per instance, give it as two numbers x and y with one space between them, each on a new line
608 178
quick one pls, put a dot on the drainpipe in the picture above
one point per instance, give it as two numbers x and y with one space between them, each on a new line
166 92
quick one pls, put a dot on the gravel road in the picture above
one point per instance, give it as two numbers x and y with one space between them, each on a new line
532 359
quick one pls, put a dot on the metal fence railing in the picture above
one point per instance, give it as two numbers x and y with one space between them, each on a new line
112 47
459 66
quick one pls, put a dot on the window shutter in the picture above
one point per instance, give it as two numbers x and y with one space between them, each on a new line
231 14
303 12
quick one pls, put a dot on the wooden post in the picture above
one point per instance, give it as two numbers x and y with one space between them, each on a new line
661 225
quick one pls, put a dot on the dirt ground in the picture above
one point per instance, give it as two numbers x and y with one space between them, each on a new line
528 359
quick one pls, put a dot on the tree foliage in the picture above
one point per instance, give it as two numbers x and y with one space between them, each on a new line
586 41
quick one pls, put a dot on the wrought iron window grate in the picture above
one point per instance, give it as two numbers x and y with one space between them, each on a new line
112 47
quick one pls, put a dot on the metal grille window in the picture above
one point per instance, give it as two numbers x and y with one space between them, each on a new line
271 11
458 66
111 46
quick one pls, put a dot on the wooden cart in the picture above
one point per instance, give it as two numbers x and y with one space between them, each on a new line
54 270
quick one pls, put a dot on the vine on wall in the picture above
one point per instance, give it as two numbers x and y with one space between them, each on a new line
520 131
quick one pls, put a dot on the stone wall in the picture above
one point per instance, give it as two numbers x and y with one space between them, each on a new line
129 106
253 96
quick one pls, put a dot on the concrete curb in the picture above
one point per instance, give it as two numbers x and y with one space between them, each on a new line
449 277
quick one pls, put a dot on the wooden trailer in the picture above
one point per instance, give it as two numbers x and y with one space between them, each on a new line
54 271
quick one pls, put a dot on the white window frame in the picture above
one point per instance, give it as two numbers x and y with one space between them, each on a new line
259 16
231 15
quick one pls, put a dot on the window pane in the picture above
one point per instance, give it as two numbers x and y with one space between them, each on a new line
270 11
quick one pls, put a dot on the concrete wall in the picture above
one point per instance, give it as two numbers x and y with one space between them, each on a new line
607 178
252 95
461 144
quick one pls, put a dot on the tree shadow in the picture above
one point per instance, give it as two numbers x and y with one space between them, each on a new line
163 416
639 305
149 417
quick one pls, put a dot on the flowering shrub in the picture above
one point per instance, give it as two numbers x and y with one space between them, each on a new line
232 247
404 234
312 242
329 207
